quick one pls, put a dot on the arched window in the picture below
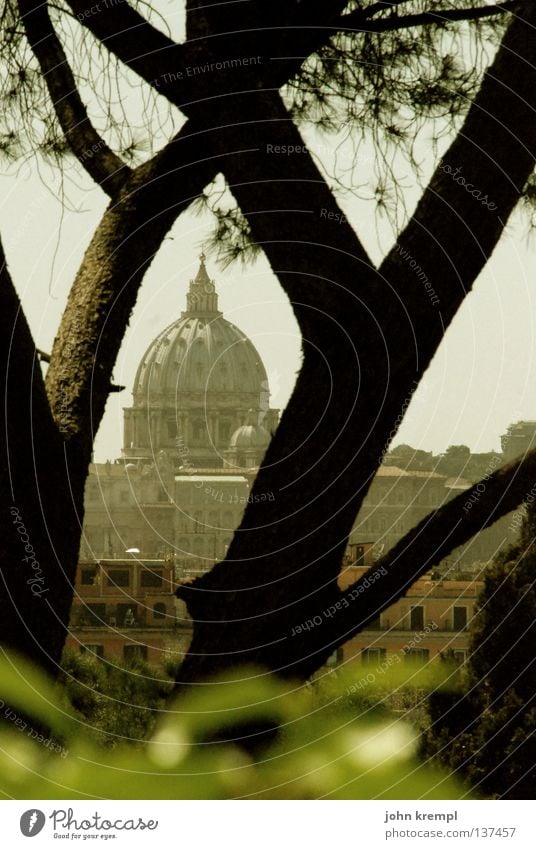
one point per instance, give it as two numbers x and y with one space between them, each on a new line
159 610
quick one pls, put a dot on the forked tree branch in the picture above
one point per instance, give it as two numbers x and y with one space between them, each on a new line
92 152
164 64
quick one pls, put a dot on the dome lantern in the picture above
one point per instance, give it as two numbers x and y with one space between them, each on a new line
202 298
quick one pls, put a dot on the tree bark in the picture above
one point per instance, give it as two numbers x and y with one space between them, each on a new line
41 498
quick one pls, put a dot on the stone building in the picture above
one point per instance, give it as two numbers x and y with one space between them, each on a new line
519 438
201 391
194 436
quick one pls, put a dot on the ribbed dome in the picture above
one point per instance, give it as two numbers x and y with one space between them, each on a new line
200 352
250 436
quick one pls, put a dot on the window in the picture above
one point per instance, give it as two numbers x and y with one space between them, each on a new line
124 496
159 610
171 429
98 651
375 625
370 656
417 655
134 651
359 555
151 579
118 578
459 656
225 431
88 578
93 614
127 615
198 430
335 658
416 617
459 618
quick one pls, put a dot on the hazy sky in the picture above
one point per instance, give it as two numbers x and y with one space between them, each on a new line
482 378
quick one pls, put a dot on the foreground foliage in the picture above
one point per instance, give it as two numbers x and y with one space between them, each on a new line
331 744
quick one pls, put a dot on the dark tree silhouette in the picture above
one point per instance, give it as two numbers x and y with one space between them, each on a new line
369 333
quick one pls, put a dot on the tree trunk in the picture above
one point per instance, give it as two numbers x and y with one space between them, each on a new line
41 499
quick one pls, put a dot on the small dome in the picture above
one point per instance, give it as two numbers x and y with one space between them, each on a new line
250 436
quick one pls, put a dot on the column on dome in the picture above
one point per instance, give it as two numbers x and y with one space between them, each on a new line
128 435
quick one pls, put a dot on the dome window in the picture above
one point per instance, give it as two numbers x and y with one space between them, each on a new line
225 431
198 431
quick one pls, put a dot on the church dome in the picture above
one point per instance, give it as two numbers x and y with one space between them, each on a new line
249 436
201 352
193 388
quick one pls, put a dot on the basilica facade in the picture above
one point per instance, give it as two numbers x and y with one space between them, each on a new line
194 436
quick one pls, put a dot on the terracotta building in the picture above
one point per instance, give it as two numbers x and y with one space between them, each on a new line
124 609
433 617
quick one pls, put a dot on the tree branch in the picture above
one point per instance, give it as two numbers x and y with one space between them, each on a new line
477 184
106 287
435 537
92 152
124 32
39 497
